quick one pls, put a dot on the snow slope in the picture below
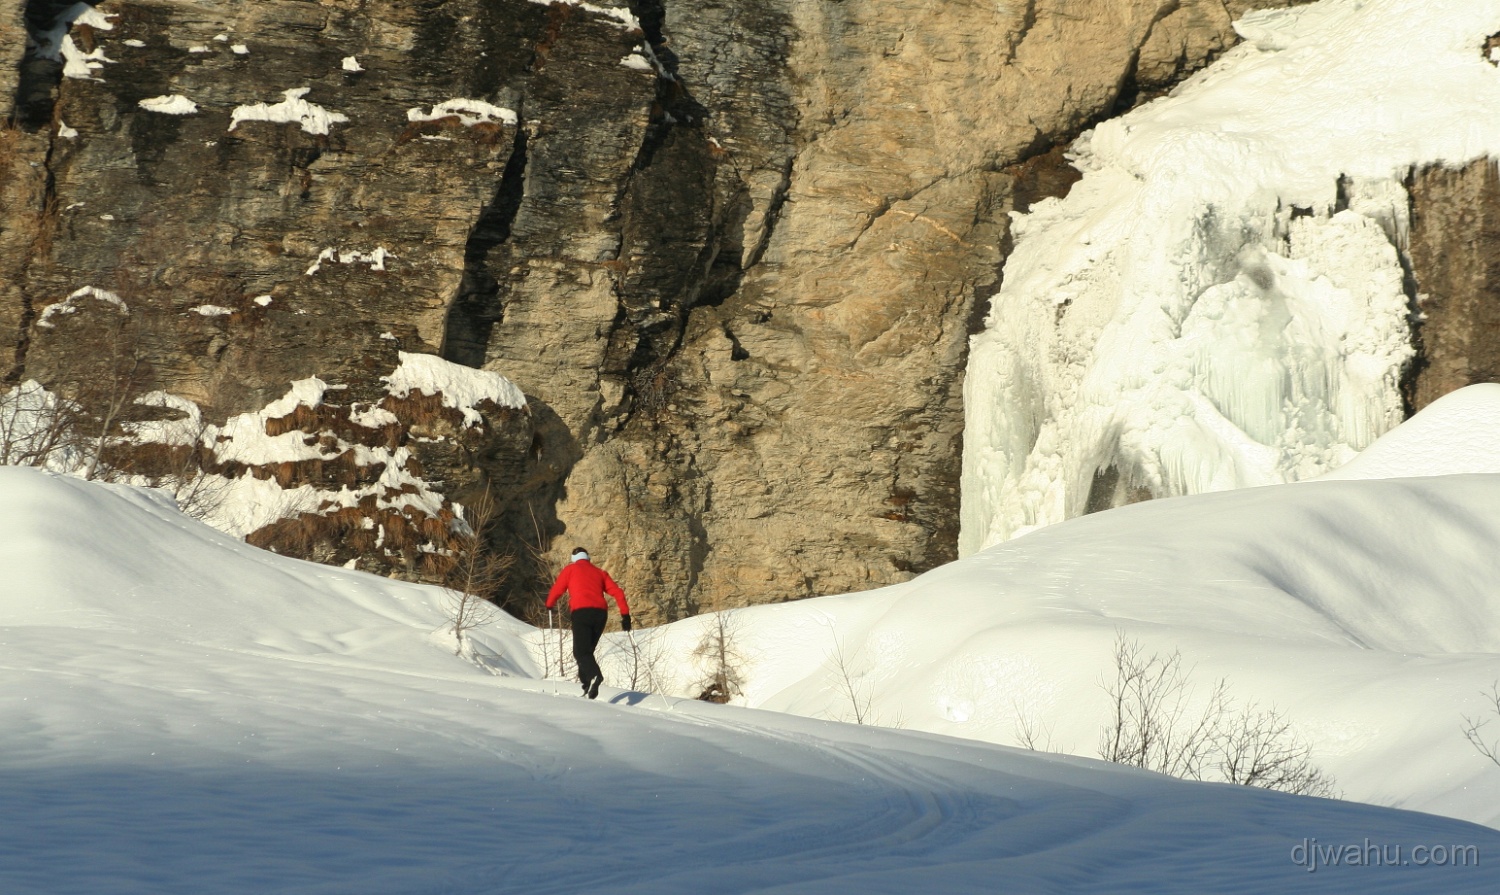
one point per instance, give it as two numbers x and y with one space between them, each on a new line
1219 303
1457 433
1368 612
182 713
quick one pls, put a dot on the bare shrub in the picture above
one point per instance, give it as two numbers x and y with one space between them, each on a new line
1474 726
557 634
106 375
639 659
648 660
1259 748
33 428
1156 724
722 659
1031 733
1153 724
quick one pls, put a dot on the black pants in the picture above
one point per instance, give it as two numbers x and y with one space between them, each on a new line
588 627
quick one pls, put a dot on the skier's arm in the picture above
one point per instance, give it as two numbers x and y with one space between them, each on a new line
558 587
613 589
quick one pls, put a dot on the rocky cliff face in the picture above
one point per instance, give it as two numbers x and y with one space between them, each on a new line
732 252
1455 258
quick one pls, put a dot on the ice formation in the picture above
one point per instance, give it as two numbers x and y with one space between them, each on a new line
1219 301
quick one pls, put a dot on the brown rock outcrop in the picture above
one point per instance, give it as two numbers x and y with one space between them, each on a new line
807 438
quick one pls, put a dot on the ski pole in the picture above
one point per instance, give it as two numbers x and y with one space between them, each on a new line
650 675
556 636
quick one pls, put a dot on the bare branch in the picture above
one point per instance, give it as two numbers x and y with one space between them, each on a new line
1474 726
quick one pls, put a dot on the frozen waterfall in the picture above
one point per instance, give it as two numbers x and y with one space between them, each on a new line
1220 301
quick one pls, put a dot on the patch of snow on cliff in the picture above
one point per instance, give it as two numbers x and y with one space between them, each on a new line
185 431
469 112
375 259
351 64
80 65
70 304
1218 303
463 388
175 104
312 118
623 16
243 438
56 44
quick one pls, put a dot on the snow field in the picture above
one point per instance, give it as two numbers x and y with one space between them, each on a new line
182 713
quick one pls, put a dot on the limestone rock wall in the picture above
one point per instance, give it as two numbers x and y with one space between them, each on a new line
731 251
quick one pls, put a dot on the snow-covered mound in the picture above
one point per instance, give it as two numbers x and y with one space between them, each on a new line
182 713
1218 303
1367 612
1457 433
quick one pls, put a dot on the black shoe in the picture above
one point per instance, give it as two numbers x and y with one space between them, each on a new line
593 688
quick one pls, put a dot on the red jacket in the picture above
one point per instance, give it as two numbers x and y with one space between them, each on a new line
586 585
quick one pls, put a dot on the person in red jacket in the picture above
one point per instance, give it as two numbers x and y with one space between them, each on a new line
586 584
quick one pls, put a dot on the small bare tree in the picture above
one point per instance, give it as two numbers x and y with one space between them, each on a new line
475 574
852 689
96 385
1474 726
719 651
111 389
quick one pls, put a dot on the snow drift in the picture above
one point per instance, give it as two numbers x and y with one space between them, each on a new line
1365 610
182 713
